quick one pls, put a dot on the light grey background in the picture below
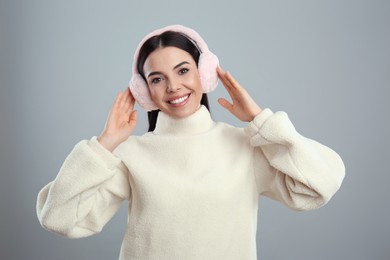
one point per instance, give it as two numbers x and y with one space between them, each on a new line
326 63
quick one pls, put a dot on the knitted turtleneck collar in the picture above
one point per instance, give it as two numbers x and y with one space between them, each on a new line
197 123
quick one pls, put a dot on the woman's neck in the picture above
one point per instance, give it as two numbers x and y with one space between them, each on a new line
198 122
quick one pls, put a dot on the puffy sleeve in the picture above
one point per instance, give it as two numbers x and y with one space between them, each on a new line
88 190
295 170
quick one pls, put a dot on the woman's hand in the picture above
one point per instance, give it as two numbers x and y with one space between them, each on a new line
121 121
243 107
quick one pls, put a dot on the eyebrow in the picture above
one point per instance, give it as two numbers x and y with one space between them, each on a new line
178 65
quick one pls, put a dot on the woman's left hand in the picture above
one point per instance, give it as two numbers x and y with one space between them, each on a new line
243 107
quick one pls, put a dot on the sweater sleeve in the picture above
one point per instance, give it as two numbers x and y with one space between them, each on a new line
88 190
300 172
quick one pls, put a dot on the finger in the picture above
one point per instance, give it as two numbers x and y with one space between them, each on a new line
226 84
124 98
128 102
220 71
233 82
130 107
232 86
236 90
223 77
133 119
131 95
133 115
130 98
231 90
118 99
229 81
226 104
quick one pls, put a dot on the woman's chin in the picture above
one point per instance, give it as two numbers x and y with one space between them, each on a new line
182 110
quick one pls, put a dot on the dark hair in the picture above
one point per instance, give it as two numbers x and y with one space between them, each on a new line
172 39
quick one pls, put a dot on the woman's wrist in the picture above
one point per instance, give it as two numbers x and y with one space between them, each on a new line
256 112
107 142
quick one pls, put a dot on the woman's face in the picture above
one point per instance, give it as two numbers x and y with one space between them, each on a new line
174 83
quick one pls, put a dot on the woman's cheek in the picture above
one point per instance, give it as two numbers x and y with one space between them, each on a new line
154 94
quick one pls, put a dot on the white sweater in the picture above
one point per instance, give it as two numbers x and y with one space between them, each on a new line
193 185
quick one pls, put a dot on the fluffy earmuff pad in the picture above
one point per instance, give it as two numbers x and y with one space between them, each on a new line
140 91
207 66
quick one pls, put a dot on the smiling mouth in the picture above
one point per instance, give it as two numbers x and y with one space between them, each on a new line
179 100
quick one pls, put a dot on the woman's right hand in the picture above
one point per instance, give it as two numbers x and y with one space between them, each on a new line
121 121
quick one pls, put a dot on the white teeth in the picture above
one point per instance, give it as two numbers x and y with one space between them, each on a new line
179 100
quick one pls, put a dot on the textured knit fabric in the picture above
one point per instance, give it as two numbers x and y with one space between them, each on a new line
193 185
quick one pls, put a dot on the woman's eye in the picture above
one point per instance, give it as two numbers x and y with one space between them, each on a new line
183 71
156 80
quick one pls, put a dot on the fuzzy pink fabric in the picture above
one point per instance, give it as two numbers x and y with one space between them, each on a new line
207 65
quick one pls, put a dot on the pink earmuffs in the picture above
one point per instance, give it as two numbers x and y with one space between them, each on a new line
207 66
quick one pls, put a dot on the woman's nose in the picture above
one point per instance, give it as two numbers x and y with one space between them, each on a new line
172 86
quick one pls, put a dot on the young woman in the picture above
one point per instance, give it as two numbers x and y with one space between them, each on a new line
193 184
